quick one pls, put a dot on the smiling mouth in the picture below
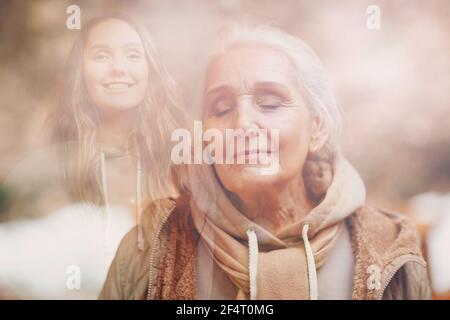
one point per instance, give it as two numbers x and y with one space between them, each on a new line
252 154
118 85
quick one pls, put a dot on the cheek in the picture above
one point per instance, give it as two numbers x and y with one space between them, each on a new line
216 124
294 139
233 177
294 143
139 72
93 74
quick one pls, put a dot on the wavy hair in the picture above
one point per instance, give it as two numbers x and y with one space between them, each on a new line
76 121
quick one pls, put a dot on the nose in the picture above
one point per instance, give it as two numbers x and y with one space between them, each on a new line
245 116
118 67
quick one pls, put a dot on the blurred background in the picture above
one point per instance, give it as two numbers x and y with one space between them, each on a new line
392 83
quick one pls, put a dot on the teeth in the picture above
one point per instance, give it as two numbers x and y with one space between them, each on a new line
118 86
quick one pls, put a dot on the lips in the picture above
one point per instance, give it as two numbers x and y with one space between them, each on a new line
252 154
117 85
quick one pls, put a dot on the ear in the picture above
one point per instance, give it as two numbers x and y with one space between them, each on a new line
319 134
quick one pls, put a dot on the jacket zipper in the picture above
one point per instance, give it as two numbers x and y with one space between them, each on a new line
152 253
405 259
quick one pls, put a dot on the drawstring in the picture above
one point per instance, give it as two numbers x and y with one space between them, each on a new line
312 274
253 263
107 239
140 241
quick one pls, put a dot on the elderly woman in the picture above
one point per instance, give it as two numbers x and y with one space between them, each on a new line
301 232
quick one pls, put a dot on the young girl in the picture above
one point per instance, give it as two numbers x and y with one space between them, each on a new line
118 105
111 132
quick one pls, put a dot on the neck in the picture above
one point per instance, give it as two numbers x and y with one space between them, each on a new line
115 127
277 206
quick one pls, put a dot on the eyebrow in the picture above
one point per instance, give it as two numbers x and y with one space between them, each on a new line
106 46
260 85
264 85
217 89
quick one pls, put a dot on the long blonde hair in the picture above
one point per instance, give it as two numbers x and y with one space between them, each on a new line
76 120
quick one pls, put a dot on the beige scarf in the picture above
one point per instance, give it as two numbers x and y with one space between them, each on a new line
264 265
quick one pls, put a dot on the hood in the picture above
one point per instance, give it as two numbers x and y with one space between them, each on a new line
256 273
345 194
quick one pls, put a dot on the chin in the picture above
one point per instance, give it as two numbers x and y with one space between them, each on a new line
120 106
244 178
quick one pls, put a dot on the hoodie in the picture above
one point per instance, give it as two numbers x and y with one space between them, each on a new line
387 261
265 264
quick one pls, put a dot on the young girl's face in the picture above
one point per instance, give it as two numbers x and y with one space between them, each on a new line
114 66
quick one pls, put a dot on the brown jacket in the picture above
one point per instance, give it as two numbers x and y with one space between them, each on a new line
388 260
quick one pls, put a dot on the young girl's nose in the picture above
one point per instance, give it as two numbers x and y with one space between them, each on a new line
118 65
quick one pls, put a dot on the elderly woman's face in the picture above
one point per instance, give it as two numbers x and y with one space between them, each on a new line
253 87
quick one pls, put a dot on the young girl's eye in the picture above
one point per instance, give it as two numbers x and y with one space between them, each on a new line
134 56
100 56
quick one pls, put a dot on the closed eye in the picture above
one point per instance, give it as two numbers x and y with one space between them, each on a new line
221 105
221 109
269 106
269 103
